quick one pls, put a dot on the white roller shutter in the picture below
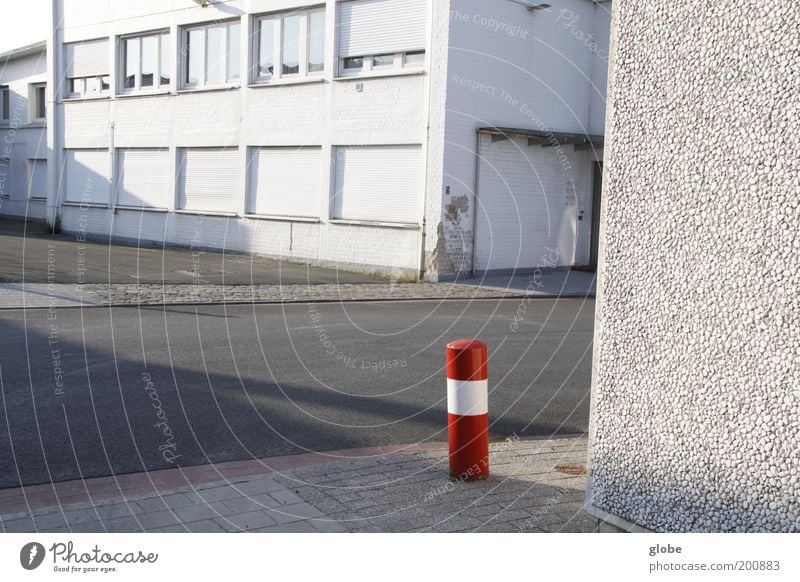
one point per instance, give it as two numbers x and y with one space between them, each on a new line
210 180
86 58
286 181
88 176
38 186
369 27
144 178
378 183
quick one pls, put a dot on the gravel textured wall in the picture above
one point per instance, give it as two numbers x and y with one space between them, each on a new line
696 393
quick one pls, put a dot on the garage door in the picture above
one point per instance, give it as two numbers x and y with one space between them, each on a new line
530 201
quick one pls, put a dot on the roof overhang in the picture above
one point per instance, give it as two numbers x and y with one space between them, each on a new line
545 138
24 51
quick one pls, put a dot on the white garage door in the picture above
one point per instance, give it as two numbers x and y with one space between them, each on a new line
88 176
144 178
529 202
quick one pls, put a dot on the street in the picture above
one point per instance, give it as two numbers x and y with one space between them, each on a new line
96 392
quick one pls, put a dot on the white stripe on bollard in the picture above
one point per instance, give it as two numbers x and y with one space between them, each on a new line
467 397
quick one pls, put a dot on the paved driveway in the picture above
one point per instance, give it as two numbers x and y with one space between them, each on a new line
26 252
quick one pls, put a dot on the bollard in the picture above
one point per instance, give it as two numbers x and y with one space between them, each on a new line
468 409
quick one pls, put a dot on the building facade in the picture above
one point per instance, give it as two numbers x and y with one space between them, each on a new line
695 422
432 138
23 141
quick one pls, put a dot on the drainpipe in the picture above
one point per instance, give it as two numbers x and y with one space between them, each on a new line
53 131
475 203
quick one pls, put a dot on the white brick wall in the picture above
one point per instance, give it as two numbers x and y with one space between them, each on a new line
509 67
334 112
21 141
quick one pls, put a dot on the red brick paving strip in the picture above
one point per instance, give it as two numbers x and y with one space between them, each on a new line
164 481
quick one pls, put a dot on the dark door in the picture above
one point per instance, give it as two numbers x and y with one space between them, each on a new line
597 190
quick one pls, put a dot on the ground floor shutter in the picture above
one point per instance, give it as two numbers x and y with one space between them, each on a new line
38 186
379 183
210 179
286 181
88 176
144 178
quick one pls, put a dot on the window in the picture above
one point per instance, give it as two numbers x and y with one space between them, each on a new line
143 178
381 35
87 69
88 176
212 55
37 179
209 180
37 100
5 103
285 181
290 45
378 183
146 62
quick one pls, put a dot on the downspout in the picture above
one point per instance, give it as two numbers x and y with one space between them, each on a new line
475 205
423 204
53 134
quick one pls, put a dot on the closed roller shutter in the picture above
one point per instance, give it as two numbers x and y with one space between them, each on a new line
144 179
38 187
378 183
210 180
88 176
86 59
369 27
286 181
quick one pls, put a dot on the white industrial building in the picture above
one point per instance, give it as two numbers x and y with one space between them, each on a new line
23 143
361 134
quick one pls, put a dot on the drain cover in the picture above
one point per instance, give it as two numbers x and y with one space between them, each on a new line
571 469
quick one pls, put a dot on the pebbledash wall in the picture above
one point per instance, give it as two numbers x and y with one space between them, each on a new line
696 394
23 141
550 62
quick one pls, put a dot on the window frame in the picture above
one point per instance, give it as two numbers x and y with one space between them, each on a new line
278 18
103 80
185 32
31 165
5 104
399 64
104 92
122 61
34 103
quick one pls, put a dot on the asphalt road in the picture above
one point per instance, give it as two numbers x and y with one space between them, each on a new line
97 392
27 251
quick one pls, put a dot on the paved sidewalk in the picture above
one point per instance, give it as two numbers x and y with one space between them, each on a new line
537 485
43 295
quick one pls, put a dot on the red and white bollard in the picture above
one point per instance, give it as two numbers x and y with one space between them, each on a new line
468 409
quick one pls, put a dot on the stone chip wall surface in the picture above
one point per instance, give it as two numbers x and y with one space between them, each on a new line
696 390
